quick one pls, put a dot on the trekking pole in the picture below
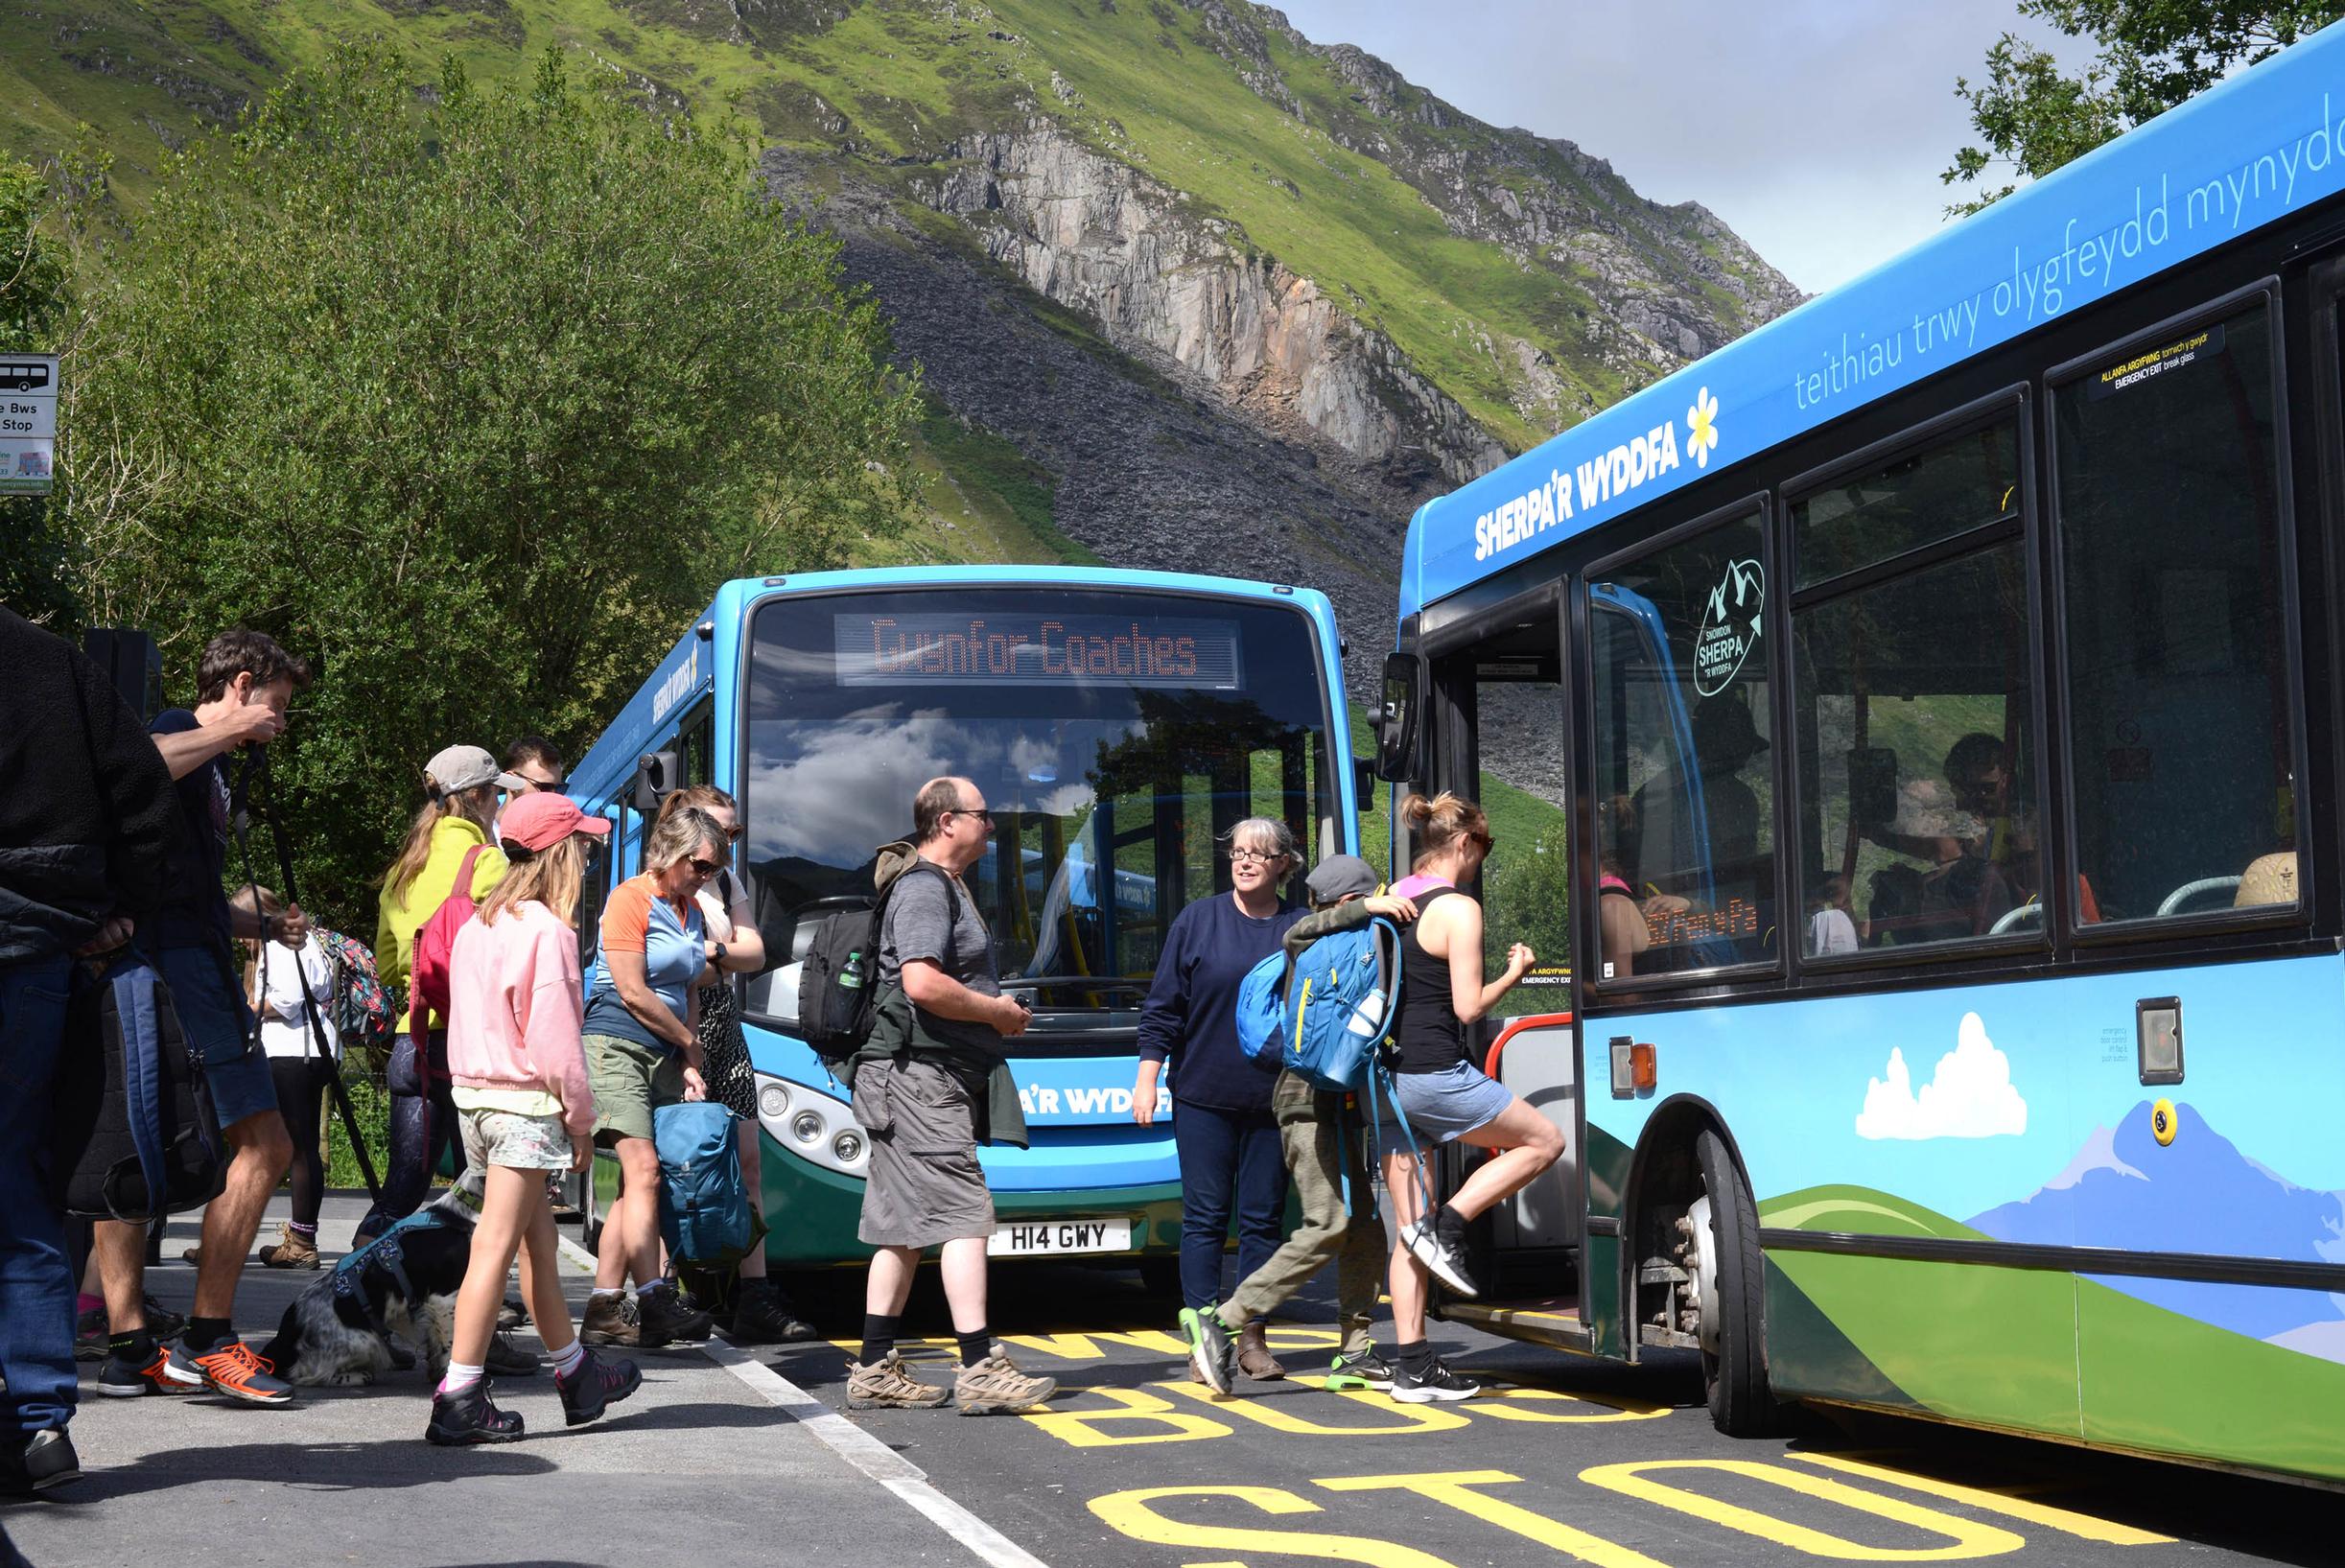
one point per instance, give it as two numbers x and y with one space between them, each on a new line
309 1011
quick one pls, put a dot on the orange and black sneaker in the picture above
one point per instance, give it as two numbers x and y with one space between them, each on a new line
231 1368
167 1371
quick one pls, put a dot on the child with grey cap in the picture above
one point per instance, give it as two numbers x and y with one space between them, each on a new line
1325 1147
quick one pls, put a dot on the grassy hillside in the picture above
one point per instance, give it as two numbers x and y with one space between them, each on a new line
889 83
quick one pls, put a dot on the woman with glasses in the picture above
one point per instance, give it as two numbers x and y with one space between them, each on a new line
643 1051
1440 1091
734 945
1225 1130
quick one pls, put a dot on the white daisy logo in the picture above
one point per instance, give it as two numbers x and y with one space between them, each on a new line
1701 427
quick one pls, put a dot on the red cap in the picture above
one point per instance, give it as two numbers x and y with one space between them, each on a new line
542 819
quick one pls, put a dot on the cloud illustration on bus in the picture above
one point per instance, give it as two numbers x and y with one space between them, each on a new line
1969 1096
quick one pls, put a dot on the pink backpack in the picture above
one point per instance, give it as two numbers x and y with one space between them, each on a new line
427 975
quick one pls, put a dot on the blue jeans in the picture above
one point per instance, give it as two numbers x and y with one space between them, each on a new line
1229 1159
36 1281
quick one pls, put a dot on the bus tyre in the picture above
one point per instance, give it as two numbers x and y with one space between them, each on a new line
1729 1288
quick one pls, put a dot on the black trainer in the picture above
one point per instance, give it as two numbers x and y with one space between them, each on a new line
506 1359
1211 1346
466 1417
594 1386
763 1314
667 1317
35 1463
1434 1384
1440 1244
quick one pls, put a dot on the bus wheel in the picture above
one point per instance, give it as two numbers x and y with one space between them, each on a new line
1723 1259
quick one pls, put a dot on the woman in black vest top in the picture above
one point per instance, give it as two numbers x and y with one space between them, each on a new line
1442 1091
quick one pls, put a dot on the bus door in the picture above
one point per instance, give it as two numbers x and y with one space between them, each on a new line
1499 737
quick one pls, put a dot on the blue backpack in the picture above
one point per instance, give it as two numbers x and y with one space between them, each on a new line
704 1204
132 1130
1325 1016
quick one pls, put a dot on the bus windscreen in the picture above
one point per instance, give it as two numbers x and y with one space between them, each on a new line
1116 736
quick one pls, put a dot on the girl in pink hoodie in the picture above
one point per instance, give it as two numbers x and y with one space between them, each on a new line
516 1000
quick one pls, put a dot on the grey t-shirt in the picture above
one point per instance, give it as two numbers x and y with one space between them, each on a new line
929 916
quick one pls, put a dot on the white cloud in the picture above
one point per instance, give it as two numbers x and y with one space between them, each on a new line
1970 1095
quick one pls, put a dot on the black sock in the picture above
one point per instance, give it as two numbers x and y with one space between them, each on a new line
976 1345
1450 1225
136 1348
205 1335
1414 1357
878 1338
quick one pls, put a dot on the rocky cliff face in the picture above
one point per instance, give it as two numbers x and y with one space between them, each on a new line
1096 236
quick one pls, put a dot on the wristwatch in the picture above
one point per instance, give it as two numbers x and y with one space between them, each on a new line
720 960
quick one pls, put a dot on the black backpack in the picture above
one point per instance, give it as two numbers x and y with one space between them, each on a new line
135 1134
839 978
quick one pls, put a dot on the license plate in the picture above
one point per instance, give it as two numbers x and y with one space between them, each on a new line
1036 1238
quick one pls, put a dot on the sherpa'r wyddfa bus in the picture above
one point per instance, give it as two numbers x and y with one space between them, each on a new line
1948 674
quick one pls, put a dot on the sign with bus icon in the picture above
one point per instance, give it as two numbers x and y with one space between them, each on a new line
28 423
28 376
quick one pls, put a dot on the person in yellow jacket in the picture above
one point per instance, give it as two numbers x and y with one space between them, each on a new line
457 819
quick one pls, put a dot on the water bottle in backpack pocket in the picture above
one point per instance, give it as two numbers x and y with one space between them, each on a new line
705 1214
134 1134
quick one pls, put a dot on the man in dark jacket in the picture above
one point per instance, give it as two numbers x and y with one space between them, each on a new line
87 828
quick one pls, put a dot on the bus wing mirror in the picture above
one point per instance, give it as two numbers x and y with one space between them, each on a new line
1395 722
656 776
1364 784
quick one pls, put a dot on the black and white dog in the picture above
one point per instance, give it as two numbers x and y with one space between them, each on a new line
403 1282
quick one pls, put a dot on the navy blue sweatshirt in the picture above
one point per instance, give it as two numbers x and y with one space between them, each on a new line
1191 1015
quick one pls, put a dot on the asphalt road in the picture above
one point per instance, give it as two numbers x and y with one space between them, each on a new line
720 1459
1562 1459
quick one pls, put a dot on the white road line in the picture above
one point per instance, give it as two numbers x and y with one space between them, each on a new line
857 1446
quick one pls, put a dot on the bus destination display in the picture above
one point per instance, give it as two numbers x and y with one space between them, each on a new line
1032 649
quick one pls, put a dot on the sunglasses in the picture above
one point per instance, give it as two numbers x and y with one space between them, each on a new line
1483 839
982 813
704 869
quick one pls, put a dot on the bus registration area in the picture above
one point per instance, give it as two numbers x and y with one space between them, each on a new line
1521 1474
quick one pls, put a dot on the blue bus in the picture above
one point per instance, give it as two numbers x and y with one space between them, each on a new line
1118 722
1937 690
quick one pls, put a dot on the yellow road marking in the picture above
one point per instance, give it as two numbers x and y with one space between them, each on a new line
2080 1525
1269 1413
1507 1405
1967 1537
1453 1488
1083 1347
1086 1428
1129 1512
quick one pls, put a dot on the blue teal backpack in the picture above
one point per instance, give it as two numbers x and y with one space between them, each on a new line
704 1204
1324 1017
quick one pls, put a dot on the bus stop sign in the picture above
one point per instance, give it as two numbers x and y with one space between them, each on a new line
28 423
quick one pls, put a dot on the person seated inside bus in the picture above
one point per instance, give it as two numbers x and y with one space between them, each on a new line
1693 892
1976 846
1621 921
1832 925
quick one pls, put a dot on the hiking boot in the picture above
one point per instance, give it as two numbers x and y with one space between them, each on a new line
232 1369
1439 1244
35 1463
192 1255
295 1251
996 1384
90 1334
611 1320
887 1386
1254 1356
1435 1384
168 1372
1361 1369
595 1385
509 1360
1209 1347
511 1314
763 1316
466 1417
666 1315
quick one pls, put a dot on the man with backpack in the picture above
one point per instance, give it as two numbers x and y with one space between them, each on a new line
87 829
245 683
1325 1142
929 1086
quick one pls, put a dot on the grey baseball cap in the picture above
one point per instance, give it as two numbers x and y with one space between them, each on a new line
459 769
1340 877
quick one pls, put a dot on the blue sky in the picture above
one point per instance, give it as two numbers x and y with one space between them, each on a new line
1815 127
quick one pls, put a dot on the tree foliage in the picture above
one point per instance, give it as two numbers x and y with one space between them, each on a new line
472 399
2032 115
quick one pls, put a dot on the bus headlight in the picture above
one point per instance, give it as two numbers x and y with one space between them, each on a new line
773 1100
847 1147
807 1127
807 1123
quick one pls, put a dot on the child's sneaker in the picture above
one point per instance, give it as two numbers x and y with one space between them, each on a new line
168 1372
231 1368
1437 1383
1211 1346
1361 1369
996 1385
465 1417
884 1385
595 1385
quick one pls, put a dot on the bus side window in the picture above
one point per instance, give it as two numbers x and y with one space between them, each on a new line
1684 781
696 746
592 887
2180 719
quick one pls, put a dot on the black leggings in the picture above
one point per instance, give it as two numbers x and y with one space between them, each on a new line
301 1092
421 1125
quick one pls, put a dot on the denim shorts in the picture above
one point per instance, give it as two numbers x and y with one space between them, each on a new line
1441 1107
219 1033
